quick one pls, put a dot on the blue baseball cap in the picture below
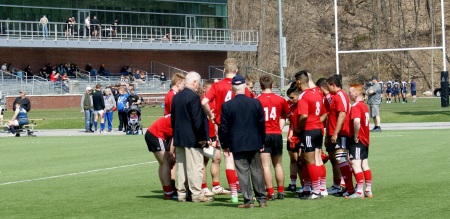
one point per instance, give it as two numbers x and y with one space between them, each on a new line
238 80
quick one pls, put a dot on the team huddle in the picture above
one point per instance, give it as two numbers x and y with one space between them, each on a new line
202 122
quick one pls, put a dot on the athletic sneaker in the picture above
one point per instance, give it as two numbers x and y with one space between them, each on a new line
280 195
291 188
206 192
333 190
234 199
220 191
171 196
271 197
324 193
368 194
300 190
354 195
313 196
346 193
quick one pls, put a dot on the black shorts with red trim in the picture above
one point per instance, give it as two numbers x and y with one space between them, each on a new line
273 144
358 151
155 144
310 140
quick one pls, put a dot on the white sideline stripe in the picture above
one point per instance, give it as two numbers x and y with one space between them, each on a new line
74 174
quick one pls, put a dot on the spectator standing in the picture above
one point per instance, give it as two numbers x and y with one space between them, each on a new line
242 132
23 100
374 93
99 108
87 108
87 24
114 27
5 67
163 80
190 132
110 106
122 108
95 23
412 83
43 22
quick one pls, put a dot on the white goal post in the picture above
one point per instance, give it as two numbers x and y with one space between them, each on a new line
392 49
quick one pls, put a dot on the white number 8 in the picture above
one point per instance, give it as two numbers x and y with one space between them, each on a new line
317 108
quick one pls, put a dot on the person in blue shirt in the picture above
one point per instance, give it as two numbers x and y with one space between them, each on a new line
122 108
412 83
388 91
404 91
19 118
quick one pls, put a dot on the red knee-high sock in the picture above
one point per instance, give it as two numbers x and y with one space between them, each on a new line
314 175
359 182
368 179
231 177
348 176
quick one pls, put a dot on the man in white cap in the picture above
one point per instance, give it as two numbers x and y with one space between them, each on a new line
87 107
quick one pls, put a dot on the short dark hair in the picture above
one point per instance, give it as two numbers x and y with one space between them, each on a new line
322 82
292 88
265 82
334 80
302 76
208 82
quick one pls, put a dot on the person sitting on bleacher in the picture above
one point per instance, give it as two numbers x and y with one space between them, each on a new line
19 119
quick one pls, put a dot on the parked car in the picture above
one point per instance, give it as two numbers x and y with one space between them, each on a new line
437 91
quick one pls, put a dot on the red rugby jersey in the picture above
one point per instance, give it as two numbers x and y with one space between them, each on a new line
339 103
212 129
361 111
162 128
327 102
168 101
274 107
221 92
311 103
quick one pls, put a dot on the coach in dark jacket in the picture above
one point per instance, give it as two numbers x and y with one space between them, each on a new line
190 133
242 131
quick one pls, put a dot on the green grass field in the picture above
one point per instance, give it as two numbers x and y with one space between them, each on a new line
425 110
116 177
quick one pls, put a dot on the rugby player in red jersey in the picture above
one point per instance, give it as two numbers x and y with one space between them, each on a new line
309 129
337 179
275 109
221 92
158 138
177 86
215 163
250 81
339 130
293 142
359 143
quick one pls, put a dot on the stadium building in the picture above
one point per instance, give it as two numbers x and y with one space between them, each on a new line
151 35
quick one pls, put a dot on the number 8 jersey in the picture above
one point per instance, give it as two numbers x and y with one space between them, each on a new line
360 110
274 107
310 103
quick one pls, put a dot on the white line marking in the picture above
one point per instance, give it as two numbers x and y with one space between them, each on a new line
74 174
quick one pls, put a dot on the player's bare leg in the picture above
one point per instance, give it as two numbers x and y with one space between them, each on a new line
279 174
164 173
359 176
313 172
215 175
267 173
205 190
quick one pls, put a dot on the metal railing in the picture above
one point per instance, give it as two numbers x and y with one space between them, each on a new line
13 29
216 72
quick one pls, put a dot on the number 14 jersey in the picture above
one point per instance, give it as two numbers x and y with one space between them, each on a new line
274 107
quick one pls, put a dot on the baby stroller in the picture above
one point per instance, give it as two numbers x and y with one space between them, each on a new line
134 121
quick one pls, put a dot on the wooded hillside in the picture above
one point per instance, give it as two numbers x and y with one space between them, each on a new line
308 26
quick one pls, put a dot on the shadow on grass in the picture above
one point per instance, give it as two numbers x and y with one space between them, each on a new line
443 112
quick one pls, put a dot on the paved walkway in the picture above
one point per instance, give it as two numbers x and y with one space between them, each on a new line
386 126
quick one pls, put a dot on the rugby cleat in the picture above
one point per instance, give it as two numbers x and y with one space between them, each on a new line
368 194
355 195
333 190
313 196
291 188
304 195
271 197
206 192
280 195
234 199
220 191
324 193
